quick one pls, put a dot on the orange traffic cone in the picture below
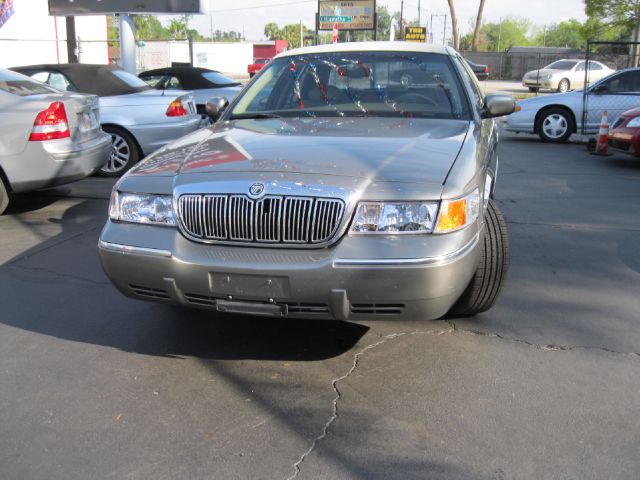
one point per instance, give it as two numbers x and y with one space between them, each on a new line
602 146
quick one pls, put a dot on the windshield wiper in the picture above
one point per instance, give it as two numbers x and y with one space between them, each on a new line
253 116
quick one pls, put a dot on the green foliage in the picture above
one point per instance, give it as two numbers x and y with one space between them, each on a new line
563 34
272 31
501 36
148 27
619 13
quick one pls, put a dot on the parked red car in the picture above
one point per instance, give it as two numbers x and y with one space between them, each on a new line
256 66
624 135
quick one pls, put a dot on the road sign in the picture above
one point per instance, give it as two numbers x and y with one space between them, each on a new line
348 14
415 34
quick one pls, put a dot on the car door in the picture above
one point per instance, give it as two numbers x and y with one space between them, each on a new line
577 76
615 94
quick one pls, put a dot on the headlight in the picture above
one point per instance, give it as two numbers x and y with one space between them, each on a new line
457 214
634 122
549 76
142 208
394 217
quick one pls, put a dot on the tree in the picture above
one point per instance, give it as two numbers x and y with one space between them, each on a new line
624 14
179 28
563 34
454 24
509 32
148 27
476 30
271 31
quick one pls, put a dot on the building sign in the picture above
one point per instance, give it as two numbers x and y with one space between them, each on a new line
64 8
415 34
347 14
6 10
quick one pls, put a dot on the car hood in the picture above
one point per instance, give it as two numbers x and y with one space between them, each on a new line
543 72
552 98
371 149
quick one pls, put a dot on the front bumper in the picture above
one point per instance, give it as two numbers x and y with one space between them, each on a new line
625 140
360 277
542 84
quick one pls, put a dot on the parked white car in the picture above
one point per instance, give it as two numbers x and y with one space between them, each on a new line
555 117
564 75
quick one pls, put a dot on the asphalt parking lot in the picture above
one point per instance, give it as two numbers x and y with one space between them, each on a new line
544 386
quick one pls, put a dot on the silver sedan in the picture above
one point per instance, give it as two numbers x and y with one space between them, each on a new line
325 190
47 137
565 75
139 118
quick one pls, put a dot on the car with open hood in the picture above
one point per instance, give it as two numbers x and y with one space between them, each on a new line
326 190
139 119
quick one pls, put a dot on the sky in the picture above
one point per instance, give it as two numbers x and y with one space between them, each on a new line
250 16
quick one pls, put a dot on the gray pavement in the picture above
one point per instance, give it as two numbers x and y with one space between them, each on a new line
543 386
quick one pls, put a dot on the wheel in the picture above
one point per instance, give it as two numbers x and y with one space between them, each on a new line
555 125
124 153
485 286
533 89
564 85
4 197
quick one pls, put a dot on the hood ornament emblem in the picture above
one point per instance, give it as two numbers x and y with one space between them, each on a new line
256 190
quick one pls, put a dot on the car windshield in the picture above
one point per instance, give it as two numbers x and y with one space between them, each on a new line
218 78
390 84
21 85
130 79
562 65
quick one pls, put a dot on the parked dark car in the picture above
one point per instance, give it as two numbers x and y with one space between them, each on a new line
204 83
481 71
325 190
139 118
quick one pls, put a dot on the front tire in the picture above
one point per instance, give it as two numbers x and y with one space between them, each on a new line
564 85
533 89
4 197
555 125
124 153
487 282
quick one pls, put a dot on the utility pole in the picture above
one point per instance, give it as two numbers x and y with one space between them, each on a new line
444 31
418 12
301 36
500 34
72 46
401 22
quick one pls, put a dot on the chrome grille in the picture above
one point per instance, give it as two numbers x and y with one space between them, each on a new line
271 219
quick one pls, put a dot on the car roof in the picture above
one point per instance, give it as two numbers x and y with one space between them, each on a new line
87 77
370 47
191 78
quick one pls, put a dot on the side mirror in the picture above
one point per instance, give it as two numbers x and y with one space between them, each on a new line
497 106
215 106
601 88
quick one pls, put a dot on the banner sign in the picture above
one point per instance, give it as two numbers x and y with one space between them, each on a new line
347 14
415 34
6 10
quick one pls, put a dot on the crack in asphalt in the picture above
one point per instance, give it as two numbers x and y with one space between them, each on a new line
334 384
539 346
454 329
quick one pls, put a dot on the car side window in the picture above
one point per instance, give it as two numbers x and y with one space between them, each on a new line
595 66
173 84
471 77
56 80
580 67
152 80
625 82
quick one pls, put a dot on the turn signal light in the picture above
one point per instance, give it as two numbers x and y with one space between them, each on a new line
458 213
176 109
50 124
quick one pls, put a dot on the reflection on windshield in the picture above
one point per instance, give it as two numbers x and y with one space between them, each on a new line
420 85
